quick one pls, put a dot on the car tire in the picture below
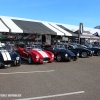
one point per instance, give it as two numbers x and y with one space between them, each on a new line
29 60
98 53
69 59
74 59
1 66
59 58
19 63
84 54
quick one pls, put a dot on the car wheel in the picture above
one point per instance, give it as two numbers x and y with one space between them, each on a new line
98 53
29 60
19 63
1 66
75 58
59 58
69 59
83 54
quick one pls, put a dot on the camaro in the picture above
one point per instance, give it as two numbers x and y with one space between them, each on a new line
83 52
62 54
35 54
8 57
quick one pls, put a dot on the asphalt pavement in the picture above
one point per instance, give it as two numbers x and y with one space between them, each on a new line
75 80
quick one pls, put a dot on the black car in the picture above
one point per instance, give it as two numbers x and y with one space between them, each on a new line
8 57
62 54
95 49
83 52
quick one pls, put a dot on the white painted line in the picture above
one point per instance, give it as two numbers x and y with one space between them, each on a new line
51 96
28 72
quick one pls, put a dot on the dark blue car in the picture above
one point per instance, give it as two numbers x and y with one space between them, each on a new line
62 54
83 52
8 57
95 49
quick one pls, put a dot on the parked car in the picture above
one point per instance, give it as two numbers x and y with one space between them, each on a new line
35 54
83 52
61 53
95 49
8 57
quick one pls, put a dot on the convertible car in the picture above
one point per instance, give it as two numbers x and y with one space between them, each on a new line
8 57
35 54
62 54
95 49
83 52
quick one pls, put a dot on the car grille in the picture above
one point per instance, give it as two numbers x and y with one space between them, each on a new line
46 59
7 62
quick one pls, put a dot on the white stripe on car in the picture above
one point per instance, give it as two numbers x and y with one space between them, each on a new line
43 53
6 55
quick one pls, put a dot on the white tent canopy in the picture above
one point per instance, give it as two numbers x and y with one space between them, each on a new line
60 29
89 36
3 28
52 28
71 27
14 28
92 30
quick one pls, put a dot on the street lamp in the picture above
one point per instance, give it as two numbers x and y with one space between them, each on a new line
80 31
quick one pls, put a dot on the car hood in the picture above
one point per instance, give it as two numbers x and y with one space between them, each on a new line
67 51
83 49
40 53
6 55
95 48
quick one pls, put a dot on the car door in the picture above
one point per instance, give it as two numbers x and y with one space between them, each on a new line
25 53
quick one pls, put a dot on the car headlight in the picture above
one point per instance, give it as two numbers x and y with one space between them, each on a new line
77 54
37 57
92 51
66 55
52 55
17 58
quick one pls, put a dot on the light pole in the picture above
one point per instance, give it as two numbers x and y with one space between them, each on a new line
80 31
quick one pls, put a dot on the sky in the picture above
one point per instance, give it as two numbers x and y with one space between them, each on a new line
70 12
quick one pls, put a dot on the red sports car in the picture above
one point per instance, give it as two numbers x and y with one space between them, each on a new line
35 54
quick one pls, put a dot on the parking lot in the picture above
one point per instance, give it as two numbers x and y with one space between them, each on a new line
75 80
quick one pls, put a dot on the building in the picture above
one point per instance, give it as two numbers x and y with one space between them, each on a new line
28 30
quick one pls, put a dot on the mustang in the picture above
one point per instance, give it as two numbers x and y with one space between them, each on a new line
35 54
62 54
8 57
83 52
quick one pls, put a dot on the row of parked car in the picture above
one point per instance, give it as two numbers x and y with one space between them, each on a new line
33 53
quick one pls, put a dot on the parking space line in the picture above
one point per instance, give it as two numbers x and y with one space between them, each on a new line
51 96
27 72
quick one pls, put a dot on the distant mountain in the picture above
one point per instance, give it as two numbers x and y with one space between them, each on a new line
97 27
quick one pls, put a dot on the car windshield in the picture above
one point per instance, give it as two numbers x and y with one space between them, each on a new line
75 46
6 47
36 47
81 46
28 47
78 46
59 47
90 46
